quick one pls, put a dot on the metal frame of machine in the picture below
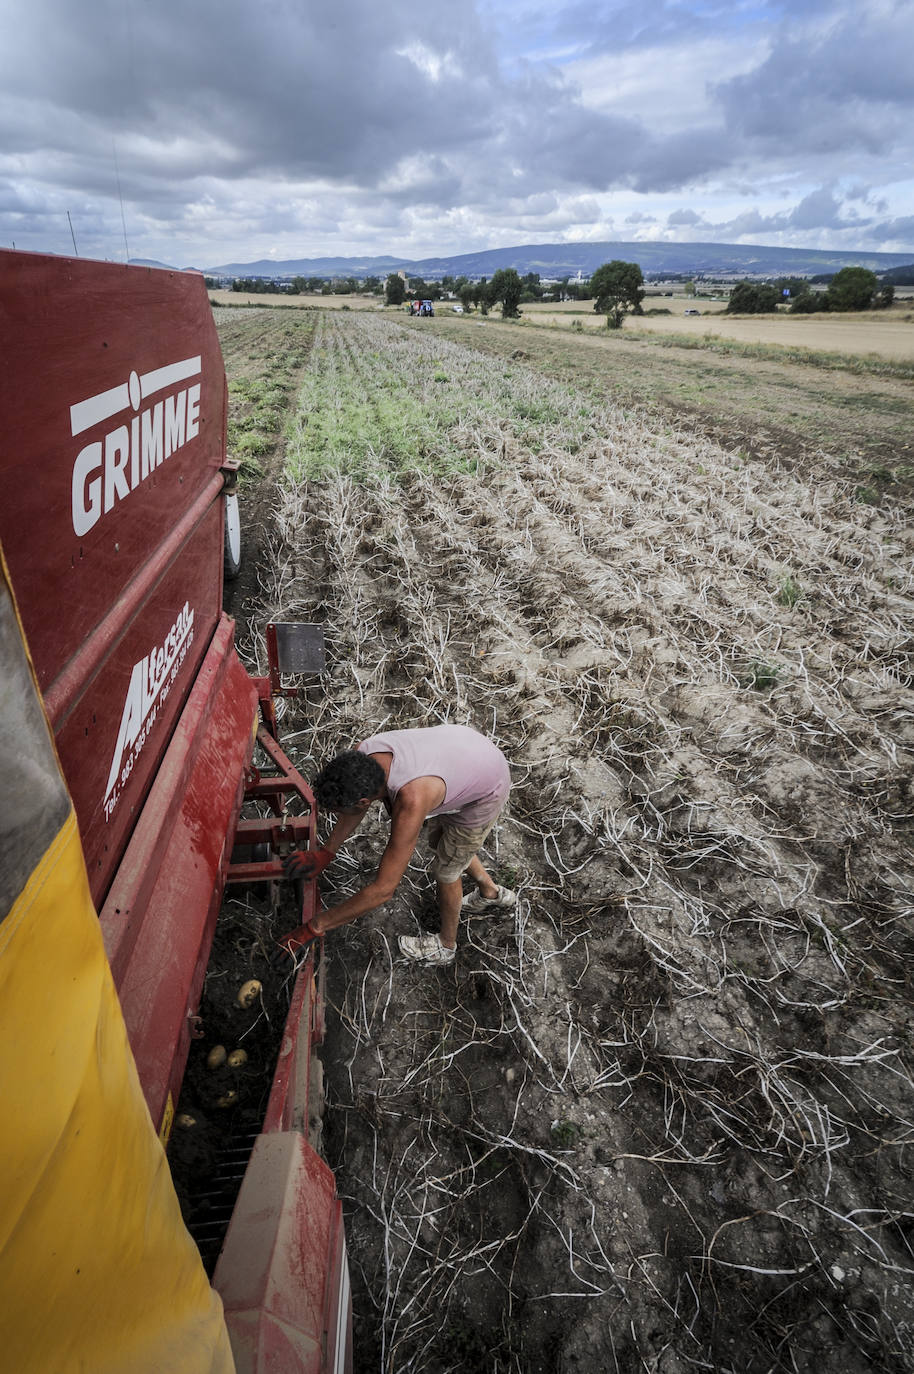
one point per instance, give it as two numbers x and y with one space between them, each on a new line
113 399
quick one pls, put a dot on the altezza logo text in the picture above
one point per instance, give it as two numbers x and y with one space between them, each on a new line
109 469
150 685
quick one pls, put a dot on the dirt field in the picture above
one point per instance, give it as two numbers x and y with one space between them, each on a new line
657 1118
246 298
886 335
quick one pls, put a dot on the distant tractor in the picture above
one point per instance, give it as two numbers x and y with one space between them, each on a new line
421 308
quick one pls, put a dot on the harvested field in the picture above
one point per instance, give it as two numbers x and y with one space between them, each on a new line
838 416
880 333
660 1117
271 301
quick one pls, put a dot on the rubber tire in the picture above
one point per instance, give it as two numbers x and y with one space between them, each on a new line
252 854
232 551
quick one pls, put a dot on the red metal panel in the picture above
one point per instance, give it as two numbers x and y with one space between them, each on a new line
287 1108
282 1273
159 917
112 393
114 736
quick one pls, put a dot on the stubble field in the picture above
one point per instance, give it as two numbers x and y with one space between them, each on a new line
659 1117
876 333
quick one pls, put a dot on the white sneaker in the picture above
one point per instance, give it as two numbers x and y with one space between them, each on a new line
426 949
502 901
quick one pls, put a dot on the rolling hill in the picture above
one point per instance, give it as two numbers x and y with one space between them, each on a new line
557 260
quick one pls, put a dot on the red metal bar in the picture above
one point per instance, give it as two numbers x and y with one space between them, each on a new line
273 660
282 830
287 1109
291 832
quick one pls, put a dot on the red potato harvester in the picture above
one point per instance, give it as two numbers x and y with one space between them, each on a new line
117 518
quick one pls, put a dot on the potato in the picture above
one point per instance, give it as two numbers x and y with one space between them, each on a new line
248 993
216 1057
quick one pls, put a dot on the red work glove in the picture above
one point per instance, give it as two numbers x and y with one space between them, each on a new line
298 939
307 864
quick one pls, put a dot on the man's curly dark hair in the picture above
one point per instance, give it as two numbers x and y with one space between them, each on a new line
346 779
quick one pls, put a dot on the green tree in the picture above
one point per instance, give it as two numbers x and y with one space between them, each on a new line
807 302
306 285
853 288
507 287
617 287
481 296
794 286
465 294
394 290
753 298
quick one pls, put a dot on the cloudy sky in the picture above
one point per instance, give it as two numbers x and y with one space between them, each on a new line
198 132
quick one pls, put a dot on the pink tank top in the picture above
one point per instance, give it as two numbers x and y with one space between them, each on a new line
473 770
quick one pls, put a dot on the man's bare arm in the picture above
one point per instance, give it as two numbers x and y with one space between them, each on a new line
344 828
406 826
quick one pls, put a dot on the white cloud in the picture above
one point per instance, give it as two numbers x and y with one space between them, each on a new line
431 64
232 130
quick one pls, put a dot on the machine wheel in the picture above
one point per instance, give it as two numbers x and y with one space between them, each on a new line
232 552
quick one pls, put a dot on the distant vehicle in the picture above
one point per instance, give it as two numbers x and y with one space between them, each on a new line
421 308
691 312
457 309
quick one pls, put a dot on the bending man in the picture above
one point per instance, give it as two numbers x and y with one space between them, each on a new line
447 773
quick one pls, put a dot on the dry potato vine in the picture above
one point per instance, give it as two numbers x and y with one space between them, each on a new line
659 1118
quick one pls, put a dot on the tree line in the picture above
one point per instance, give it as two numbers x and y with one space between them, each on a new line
302 286
507 287
616 289
853 288
617 286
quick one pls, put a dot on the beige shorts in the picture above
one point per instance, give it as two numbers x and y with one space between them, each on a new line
454 846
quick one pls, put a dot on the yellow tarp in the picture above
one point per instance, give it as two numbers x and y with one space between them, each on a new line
97 1271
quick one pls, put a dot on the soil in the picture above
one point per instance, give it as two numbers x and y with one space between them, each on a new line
656 1118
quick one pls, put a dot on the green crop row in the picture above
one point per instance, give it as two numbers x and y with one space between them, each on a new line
378 397
259 404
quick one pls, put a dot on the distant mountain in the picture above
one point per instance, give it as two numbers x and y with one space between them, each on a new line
559 260
899 276
308 267
152 262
